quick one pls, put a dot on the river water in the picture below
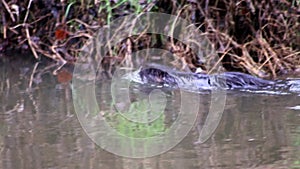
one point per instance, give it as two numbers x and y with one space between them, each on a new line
39 127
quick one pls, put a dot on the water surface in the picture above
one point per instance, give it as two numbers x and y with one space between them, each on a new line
39 127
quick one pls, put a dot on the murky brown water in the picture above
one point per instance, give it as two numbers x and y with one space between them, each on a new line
39 128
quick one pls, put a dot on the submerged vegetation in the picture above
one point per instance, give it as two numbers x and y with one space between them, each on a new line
258 37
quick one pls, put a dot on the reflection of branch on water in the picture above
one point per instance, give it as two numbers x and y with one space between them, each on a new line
19 107
32 75
36 74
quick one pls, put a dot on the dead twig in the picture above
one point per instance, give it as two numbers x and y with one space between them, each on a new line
31 44
27 12
9 11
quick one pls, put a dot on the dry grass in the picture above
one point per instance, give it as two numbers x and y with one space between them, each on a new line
258 37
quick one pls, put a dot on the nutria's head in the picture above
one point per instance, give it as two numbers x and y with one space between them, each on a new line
157 76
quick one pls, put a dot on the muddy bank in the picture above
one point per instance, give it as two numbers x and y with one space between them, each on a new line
258 37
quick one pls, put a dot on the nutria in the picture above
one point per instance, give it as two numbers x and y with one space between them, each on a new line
189 80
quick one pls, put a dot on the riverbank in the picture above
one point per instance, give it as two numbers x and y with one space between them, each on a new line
260 38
